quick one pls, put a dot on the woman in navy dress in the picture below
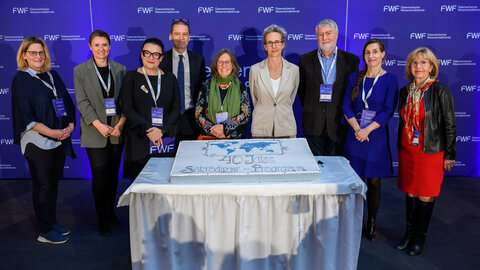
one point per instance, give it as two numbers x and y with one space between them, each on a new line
369 103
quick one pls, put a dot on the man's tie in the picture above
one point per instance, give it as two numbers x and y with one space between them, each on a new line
181 83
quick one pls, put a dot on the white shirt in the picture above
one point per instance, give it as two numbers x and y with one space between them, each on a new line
186 68
275 85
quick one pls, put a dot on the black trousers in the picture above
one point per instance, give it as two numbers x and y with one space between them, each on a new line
105 164
324 146
46 169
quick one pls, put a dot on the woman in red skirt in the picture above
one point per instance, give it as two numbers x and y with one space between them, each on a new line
426 141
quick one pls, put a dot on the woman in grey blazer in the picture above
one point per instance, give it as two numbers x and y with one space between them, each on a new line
273 87
97 90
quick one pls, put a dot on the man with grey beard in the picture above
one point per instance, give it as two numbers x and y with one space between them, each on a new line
324 75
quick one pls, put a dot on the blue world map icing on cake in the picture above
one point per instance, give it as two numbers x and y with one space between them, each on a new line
242 148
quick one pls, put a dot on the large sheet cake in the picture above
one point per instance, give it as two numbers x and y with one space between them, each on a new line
253 160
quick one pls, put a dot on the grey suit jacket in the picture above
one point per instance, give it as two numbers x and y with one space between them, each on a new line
273 115
91 104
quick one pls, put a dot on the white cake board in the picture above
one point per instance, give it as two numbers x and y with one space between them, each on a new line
253 160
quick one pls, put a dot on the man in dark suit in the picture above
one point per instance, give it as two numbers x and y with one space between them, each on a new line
189 68
324 75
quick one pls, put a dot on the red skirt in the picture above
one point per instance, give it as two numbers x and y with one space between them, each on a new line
419 174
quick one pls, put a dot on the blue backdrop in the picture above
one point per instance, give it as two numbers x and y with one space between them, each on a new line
450 28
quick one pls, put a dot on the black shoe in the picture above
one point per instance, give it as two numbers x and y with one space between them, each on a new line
104 230
410 210
114 221
371 233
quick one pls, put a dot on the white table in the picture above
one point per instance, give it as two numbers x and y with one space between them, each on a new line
228 226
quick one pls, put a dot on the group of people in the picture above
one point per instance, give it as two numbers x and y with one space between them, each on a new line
168 99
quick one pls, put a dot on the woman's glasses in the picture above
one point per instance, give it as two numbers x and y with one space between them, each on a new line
35 53
148 54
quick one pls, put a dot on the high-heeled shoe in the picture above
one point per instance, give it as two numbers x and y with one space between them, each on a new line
371 233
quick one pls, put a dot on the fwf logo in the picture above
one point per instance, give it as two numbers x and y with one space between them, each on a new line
205 10
294 36
468 88
473 35
4 91
391 8
19 10
418 35
445 62
6 141
51 37
390 63
265 9
361 35
448 8
117 37
464 138
145 10
235 37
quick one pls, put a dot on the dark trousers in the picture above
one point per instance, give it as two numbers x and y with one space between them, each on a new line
46 169
105 164
324 146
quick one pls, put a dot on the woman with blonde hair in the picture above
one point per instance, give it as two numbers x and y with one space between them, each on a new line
43 116
426 141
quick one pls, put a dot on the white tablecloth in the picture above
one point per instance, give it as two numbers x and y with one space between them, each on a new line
228 226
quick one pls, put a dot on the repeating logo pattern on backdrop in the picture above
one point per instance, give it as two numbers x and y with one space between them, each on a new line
217 24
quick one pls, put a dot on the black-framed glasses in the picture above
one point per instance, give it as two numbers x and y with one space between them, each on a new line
274 43
35 53
177 20
148 54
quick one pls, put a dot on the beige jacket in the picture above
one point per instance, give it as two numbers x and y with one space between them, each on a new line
273 115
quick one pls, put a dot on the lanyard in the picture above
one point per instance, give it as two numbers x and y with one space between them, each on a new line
52 87
325 78
159 83
371 88
109 83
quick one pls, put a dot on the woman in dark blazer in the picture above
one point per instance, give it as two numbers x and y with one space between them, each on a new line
43 116
97 90
273 87
151 115
223 106
426 140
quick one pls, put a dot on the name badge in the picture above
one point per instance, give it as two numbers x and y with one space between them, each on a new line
110 106
59 107
157 117
416 137
367 118
221 117
168 146
326 92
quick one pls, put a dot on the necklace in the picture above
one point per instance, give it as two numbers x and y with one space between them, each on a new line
224 86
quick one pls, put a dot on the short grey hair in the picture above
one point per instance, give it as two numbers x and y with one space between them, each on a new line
274 28
327 22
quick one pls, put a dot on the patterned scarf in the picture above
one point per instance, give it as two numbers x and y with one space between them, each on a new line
412 107
232 100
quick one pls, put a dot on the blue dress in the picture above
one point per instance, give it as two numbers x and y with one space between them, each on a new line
372 158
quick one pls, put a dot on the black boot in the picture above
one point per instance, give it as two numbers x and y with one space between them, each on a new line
422 217
373 202
410 210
